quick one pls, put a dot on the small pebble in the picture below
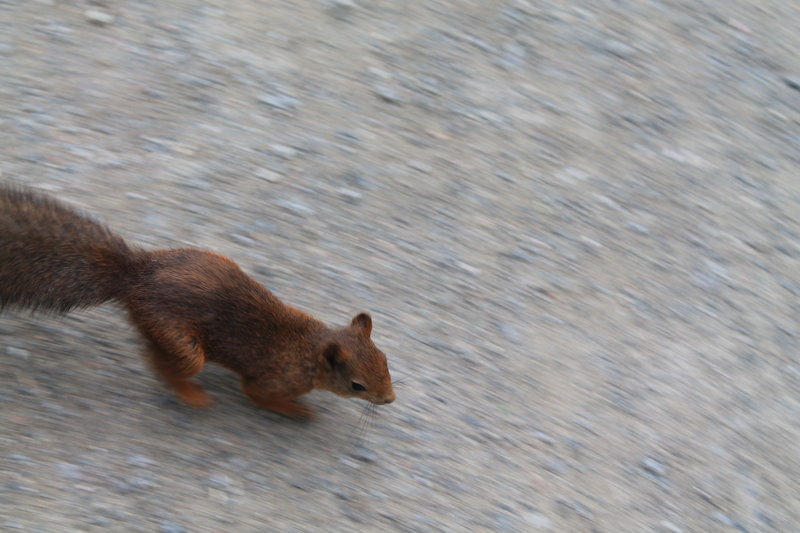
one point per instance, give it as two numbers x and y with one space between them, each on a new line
638 228
387 94
510 333
556 466
670 527
420 166
363 454
171 527
13 351
350 196
279 101
141 461
654 467
505 176
577 508
503 522
267 175
793 82
618 48
723 519
296 207
544 437
341 9
538 521
219 481
98 17
283 151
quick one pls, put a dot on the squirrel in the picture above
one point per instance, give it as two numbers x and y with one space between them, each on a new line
191 305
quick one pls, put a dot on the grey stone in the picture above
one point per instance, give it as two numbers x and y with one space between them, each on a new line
219 480
138 483
619 49
537 521
669 527
654 467
296 207
473 421
341 9
70 471
556 466
387 94
503 522
364 454
13 351
171 527
283 151
793 82
723 519
267 175
638 228
567 506
512 56
510 333
350 195
544 437
420 166
279 101
505 176
100 18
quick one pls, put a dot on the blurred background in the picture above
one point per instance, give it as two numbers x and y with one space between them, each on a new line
576 225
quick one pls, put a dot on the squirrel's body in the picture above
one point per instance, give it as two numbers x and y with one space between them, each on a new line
191 305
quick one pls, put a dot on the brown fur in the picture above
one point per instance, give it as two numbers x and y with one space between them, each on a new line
192 306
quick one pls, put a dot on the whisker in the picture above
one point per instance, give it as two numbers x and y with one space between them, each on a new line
361 425
366 422
370 418
362 418
401 379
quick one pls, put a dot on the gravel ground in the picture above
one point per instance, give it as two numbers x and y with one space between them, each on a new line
576 224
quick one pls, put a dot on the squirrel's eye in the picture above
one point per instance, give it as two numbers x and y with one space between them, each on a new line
358 386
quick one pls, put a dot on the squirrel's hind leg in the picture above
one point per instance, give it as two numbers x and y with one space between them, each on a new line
177 358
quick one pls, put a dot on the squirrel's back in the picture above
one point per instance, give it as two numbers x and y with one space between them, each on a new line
54 258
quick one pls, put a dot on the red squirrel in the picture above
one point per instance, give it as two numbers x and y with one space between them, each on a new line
191 306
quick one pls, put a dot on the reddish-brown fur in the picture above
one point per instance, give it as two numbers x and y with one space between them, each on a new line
192 306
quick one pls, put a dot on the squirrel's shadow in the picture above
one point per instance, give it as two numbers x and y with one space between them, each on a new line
232 414
114 378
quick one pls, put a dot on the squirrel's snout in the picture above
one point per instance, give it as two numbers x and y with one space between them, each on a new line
383 400
389 398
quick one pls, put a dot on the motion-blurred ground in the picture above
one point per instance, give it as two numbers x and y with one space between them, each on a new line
577 226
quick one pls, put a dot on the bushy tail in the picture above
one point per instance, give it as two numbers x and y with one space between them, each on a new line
54 258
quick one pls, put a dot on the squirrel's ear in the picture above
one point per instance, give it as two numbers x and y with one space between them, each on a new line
334 354
363 322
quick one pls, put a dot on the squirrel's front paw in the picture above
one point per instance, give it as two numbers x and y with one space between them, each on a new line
289 408
193 394
299 410
292 409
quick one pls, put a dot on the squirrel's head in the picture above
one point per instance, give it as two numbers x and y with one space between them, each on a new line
354 367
